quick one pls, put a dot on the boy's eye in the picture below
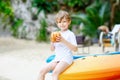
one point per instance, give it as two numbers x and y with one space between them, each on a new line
64 21
59 22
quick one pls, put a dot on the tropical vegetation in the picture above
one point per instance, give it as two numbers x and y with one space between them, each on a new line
90 13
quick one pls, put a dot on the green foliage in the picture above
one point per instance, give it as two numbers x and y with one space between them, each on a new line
42 34
117 14
92 13
15 26
76 5
117 17
55 5
96 15
5 8
6 13
45 5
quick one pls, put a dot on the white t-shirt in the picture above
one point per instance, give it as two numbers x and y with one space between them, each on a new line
61 50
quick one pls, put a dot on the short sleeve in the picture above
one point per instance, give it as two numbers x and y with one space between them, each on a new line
73 39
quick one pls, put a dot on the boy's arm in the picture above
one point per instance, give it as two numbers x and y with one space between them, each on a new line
52 47
69 45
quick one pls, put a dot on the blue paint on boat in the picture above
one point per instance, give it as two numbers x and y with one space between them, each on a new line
50 58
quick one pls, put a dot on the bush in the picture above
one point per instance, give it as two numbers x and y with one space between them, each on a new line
42 34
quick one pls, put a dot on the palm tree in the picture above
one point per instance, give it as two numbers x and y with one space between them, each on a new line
96 14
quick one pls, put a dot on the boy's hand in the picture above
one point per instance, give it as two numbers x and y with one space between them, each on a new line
55 37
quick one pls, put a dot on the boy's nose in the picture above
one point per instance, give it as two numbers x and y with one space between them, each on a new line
62 24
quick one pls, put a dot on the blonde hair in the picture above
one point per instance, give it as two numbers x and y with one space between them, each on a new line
62 15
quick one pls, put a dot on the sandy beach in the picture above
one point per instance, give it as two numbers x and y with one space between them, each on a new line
22 59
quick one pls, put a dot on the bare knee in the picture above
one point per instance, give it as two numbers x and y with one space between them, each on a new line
42 73
55 73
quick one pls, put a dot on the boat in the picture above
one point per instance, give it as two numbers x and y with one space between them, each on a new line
100 67
51 57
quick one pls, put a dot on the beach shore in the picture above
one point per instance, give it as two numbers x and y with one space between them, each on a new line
22 59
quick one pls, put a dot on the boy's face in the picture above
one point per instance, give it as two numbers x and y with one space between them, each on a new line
63 24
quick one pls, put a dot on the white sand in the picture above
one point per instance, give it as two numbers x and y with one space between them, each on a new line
22 60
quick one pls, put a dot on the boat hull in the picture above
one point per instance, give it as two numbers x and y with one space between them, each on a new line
93 68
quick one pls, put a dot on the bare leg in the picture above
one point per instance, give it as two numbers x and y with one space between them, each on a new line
61 66
45 69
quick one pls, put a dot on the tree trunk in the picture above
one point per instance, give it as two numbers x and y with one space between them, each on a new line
113 7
